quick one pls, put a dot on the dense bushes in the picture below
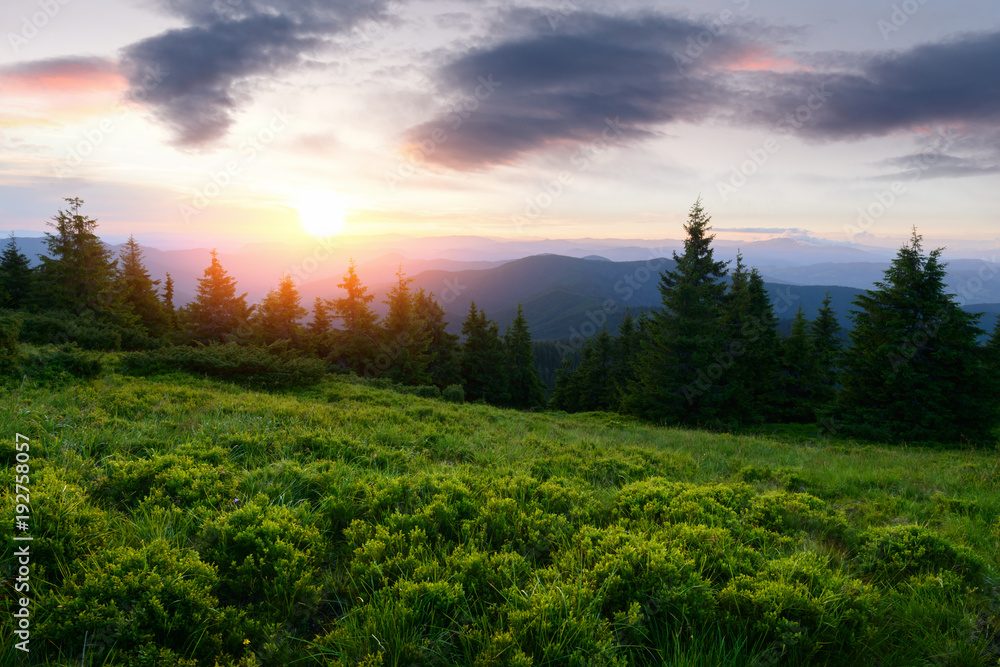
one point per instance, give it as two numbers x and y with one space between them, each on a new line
88 332
249 366
128 602
353 526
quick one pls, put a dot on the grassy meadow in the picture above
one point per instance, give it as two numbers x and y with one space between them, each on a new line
185 521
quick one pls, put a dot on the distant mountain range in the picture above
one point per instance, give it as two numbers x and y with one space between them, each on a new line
566 297
567 288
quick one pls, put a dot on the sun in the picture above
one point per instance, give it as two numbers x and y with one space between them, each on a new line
322 214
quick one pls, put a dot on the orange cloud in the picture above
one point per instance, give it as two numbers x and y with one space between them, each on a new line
49 93
61 77
760 60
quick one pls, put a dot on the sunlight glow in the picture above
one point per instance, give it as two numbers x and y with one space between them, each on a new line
322 214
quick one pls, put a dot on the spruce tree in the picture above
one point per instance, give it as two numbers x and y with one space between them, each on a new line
595 377
277 317
914 370
355 342
992 348
442 346
79 275
482 361
626 351
168 296
825 332
761 350
404 340
678 366
525 387
318 330
137 290
217 312
799 382
16 277
565 393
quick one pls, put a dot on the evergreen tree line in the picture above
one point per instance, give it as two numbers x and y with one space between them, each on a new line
80 286
711 355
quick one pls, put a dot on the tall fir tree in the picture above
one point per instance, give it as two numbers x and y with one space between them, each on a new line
168 295
404 339
914 370
137 290
991 350
16 277
525 387
355 344
318 331
79 275
595 378
442 347
482 362
761 350
825 332
626 351
277 317
217 313
799 386
565 394
674 371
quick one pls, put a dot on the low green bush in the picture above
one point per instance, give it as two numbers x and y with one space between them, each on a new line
454 393
59 364
166 480
894 553
800 611
10 351
88 332
267 557
243 364
65 525
124 599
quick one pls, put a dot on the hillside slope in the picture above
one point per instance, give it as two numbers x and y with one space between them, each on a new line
348 524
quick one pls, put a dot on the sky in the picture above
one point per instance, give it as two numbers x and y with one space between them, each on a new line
265 120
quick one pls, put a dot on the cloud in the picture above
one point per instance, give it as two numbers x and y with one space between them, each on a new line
950 82
563 86
454 21
60 76
210 68
940 165
51 93
561 80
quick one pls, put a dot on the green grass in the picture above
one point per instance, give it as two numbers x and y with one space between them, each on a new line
348 524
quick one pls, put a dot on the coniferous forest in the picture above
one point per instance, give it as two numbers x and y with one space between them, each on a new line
227 483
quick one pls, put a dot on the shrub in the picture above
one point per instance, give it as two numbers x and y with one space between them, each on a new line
246 365
126 598
166 480
55 364
266 555
628 566
454 393
58 327
800 611
65 526
894 553
427 391
10 352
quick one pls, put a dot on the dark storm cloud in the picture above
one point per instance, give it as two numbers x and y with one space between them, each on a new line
560 80
202 74
953 82
572 80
